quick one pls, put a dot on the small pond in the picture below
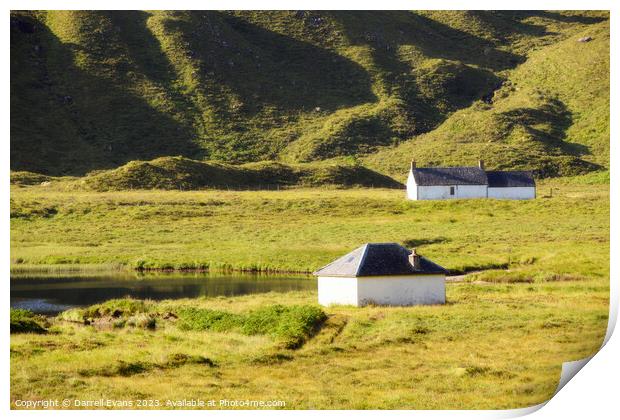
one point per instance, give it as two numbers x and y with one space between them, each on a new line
50 294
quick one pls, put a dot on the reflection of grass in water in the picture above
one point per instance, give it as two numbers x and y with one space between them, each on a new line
64 270
125 273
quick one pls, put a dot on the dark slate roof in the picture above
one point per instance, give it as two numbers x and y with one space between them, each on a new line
378 259
464 175
499 179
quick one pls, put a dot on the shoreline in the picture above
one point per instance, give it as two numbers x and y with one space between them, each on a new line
453 276
121 268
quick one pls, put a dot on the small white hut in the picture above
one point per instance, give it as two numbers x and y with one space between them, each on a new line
382 274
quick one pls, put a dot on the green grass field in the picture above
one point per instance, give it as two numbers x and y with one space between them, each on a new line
538 296
302 229
490 347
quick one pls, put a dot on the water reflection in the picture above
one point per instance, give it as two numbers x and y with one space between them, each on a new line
50 294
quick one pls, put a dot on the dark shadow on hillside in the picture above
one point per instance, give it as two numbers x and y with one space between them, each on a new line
101 123
413 243
144 49
388 29
553 113
265 68
554 116
509 23
547 125
148 58
586 20
448 86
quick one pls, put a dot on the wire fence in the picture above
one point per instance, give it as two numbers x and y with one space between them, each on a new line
280 187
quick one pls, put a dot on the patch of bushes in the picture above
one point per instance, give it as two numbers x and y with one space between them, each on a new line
115 313
121 368
142 321
117 308
207 319
28 210
180 359
25 321
291 325
28 178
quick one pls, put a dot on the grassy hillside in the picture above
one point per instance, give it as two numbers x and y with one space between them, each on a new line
551 115
186 174
95 90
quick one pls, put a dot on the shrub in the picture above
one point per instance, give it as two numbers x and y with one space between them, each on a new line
290 324
24 321
207 319
142 321
180 359
116 308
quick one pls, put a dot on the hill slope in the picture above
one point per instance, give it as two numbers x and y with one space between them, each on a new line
551 114
95 90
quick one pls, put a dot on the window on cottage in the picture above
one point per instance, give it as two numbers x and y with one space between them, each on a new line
451 190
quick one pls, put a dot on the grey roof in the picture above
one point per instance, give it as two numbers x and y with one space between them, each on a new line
499 179
463 175
378 259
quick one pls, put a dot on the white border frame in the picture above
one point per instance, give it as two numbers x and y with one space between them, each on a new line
593 394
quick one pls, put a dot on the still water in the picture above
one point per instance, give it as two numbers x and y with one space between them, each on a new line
50 294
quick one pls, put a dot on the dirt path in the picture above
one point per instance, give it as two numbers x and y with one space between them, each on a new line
461 277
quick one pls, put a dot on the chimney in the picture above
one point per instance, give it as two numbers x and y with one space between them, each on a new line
481 164
414 259
412 164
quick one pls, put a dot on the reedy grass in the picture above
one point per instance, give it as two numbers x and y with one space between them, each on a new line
490 346
303 229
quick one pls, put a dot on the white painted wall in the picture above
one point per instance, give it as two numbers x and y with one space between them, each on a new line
471 191
513 193
402 290
442 192
338 290
426 289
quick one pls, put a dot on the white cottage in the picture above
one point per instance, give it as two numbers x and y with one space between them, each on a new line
469 182
383 274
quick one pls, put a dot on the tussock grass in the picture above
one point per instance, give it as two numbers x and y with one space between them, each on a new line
565 231
492 346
